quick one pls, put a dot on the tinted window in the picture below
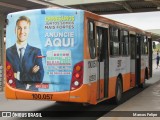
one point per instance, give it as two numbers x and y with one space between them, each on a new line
114 41
125 42
91 39
146 45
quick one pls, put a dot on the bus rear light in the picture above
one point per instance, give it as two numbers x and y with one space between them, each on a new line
78 68
77 76
8 67
76 83
10 75
10 81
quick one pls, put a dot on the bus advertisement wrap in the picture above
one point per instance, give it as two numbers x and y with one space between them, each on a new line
42 48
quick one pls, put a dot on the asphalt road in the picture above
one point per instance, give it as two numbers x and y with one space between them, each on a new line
64 110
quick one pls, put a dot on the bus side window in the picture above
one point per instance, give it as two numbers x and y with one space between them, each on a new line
91 39
125 42
114 41
142 45
146 45
99 43
132 46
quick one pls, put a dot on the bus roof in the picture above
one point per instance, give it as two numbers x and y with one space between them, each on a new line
118 24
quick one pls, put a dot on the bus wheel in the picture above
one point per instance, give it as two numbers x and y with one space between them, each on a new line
118 94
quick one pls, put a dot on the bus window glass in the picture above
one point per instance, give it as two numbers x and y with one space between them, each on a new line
111 48
114 41
116 48
115 34
91 30
91 40
99 42
138 45
142 45
124 42
146 45
132 46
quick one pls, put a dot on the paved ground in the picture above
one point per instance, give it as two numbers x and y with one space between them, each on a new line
21 105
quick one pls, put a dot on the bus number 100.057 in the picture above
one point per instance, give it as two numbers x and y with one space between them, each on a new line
42 96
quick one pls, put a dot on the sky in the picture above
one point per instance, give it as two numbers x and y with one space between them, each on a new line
145 20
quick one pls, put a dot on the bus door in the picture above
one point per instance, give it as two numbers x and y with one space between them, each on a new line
103 60
133 59
150 56
138 59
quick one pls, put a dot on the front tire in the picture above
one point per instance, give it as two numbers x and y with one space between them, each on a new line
118 93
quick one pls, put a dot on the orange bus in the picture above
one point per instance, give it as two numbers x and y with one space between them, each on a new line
73 55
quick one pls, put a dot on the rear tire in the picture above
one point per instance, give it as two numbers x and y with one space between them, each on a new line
118 93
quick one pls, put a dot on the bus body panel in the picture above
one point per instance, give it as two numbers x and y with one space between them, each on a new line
120 65
144 66
90 69
52 96
59 35
81 95
133 74
10 92
56 85
112 84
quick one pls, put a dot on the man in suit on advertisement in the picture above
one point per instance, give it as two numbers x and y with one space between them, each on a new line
25 60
